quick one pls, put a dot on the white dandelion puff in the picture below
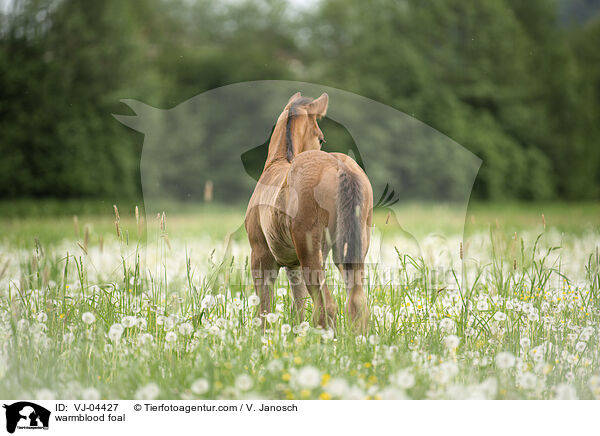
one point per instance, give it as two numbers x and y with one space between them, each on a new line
337 387
88 318
186 329
500 316
115 332
525 343
128 321
565 391
90 394
505 360
208 302
447 325
272 318
308 377
327 334
244 382
148 392
404 379
200 386
274 366
451 342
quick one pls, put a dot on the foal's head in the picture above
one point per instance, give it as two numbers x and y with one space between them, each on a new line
302 130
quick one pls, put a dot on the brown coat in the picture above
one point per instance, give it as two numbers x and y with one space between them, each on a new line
306 203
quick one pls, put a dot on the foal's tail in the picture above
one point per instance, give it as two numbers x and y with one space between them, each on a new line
348 238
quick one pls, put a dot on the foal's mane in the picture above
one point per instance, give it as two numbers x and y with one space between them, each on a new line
292 113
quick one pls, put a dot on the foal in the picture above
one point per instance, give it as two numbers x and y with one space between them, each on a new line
306 203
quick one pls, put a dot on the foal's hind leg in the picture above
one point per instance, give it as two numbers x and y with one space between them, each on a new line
356 307
299 291
308 248
264 273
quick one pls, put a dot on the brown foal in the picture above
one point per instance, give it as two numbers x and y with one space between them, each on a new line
306 203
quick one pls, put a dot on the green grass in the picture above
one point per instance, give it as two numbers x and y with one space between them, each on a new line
517 319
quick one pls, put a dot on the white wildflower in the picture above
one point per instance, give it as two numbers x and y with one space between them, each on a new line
308 377
527 380
88 318
200 386
505 360
565 391
272 318
580 347
208 302
148 392
115 332
327 334
244 382
404 379
274 366
128 321
500 316
337 387
447 325
90 394
451 342
186 329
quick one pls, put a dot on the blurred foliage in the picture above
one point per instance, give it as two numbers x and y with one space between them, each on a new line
515 82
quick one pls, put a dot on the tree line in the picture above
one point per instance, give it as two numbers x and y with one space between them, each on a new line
514 82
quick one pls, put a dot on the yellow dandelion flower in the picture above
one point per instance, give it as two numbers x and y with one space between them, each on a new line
325 396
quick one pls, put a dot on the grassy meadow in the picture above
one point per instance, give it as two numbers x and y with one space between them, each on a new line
99 306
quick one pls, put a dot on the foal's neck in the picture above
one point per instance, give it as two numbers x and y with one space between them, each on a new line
278 143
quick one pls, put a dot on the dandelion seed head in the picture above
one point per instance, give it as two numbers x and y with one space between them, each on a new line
200 386
253 300
88 318
244 382
147 392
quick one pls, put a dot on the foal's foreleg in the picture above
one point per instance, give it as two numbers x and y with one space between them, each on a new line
264 273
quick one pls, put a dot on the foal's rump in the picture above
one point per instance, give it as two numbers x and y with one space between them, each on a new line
333 195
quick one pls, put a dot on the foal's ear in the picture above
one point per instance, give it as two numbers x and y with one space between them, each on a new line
319 106
291 100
